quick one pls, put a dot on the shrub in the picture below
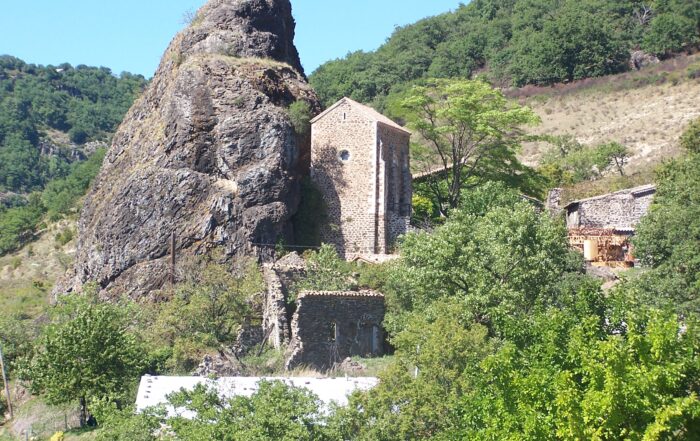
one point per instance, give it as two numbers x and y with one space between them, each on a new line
299 116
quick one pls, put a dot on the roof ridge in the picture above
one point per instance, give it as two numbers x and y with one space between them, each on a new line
366 110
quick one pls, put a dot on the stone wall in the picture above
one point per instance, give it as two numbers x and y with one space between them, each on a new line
622 210
361 167
330 326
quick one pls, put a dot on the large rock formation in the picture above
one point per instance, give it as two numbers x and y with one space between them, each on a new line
208 152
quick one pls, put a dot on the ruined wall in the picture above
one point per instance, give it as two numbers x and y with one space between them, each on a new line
330 326
623 209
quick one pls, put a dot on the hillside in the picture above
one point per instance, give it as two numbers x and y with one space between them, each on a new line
50 114
514 43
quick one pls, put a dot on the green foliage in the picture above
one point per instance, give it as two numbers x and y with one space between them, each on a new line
569 162
300 115
86 354
690 140
668 238
669 33
18 224
325 271
64 236
60 195
87 103
126 425
274 412
206 310
513 42
579 378
472 129
496 254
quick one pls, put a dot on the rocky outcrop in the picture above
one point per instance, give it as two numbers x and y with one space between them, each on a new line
207 153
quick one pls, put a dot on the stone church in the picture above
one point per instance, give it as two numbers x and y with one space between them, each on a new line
360 163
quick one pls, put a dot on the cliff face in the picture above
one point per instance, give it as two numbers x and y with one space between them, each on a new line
208 152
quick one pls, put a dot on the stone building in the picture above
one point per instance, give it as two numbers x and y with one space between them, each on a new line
601 226
620 210
360 163
330 326
318 329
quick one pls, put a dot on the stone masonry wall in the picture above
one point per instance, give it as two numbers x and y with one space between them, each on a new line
622 209
361 167
395 200
330 326
346 183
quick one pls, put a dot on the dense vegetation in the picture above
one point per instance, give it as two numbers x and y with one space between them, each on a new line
514 42
86 103
498 334
19 223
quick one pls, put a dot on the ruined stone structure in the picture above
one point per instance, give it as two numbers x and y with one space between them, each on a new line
620 210
319 329
360 163
601 226
330 326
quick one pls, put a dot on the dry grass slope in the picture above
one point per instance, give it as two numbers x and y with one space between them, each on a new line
647 110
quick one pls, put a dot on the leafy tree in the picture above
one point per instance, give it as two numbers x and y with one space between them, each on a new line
473 130
274 412
615 154
206 310
437 354
300 115
87 354
496 254
669 33
325 271
668 238
690 140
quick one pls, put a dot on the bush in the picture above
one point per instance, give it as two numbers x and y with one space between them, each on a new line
299 116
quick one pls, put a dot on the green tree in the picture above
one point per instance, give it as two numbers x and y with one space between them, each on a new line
473 130
325 271
496 254
668 238
87 354
669 33
274 412
206 310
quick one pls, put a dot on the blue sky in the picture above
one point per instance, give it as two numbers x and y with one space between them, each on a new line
131 35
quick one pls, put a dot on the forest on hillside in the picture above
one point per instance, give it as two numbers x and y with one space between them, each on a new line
85 103
46 114
513 43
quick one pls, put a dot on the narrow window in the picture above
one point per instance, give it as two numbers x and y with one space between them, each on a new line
333 332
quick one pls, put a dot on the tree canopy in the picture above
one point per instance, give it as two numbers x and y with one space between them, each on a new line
86 103
513 42
473 132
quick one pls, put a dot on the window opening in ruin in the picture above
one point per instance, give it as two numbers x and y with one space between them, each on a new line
344 155
345 115
333 332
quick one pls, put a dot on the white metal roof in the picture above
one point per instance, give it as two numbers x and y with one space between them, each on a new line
154 390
